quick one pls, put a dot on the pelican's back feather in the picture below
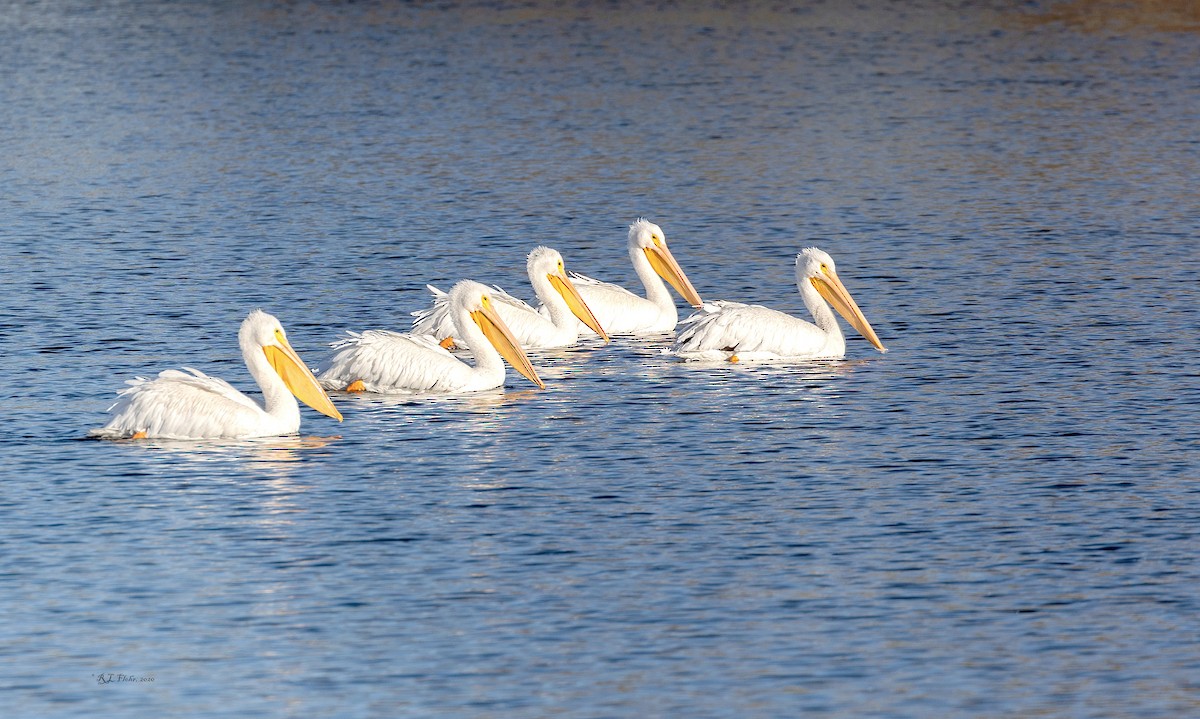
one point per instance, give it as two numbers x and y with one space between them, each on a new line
733 327
388 361
582 281
182 405
435 319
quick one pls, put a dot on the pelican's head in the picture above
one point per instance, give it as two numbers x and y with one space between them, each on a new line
263 330
816 267
476 301
650 239
544 261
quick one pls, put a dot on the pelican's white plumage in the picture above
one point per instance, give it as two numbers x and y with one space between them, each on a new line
621 311
393 362
192 405
732 330
564 307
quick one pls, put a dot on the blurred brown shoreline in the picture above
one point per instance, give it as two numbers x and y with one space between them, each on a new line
1120 15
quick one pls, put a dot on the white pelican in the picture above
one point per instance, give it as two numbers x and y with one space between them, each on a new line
179 405
531 330
382 361
734 331
622 312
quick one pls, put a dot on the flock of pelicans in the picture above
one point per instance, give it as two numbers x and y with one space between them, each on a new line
492 325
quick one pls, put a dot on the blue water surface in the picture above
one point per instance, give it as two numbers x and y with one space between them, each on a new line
997 518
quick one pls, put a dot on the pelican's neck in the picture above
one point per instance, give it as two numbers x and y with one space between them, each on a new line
560 315
487 359
822 313
656 289
278 401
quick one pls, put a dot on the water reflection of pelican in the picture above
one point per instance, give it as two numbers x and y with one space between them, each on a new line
272 456
283 449
811 371
484 399
817 381
459 413
280 453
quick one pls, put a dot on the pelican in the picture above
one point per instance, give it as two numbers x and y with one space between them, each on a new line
734 331
532 330
193 405
621 311
382 361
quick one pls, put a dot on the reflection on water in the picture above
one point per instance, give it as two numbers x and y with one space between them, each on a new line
485 399
272 453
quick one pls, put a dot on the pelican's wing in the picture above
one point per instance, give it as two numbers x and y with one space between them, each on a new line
500 295
582 281
428 342
206 383
434 320
722 328
393 362
181 405
711 326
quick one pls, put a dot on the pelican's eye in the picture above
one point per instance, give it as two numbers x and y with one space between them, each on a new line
824 268
279 336
657 240
485 301
560 267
